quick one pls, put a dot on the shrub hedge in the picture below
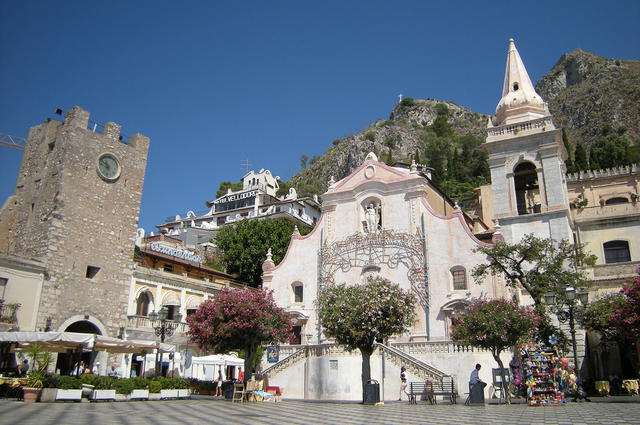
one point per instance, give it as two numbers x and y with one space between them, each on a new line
122 386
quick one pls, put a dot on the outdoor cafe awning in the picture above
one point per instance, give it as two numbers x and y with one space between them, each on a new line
63 341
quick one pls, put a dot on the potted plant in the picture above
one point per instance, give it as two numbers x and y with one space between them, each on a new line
70 389
40 360
33 387
182 385
51 382
635 197
140 389
580 202
168 390
104 389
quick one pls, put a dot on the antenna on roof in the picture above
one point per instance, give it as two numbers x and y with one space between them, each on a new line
244 164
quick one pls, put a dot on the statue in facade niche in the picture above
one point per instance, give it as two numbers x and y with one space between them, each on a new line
372 218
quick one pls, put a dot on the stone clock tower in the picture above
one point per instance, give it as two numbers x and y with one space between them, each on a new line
75 209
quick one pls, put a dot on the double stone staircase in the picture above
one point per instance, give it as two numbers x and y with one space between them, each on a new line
415 367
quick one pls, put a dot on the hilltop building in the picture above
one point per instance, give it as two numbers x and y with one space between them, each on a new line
256 200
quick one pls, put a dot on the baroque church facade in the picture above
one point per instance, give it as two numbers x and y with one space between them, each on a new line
395 223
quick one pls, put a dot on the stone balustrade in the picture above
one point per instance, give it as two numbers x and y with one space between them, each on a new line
512 129
143 322
606 211
419 348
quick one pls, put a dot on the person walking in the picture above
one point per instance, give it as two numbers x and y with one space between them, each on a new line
219 387
403 382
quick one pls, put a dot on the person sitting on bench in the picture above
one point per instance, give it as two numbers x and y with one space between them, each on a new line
476 386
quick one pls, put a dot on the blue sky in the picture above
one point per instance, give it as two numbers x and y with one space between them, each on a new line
214 83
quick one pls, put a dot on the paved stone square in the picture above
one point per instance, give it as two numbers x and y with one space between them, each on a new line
208 411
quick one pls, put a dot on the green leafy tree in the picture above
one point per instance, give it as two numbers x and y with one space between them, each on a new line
239 320
390 159
537 265
580 161
407 102
225 186
597 315
495 325
303 160
283 188
358 316
244 246
568 147
442 127
609 151
436 152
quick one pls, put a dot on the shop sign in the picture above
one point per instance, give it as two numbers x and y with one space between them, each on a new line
175 252
236 197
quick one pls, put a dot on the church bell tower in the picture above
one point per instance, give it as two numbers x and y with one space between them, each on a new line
526 157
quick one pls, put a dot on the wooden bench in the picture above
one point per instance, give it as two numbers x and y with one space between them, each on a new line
431 389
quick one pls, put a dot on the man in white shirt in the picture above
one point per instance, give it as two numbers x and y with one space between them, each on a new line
474 379
476 386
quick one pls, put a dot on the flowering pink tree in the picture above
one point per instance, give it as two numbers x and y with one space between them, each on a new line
495 325
358 316
235 320
626 319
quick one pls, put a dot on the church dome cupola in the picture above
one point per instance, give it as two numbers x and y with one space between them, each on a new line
519 101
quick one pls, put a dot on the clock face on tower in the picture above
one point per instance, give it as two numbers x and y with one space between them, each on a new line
108 167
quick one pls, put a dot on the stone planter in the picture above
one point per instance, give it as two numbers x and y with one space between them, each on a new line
103 395
168 394
185 393
69 395
31 394
139 395
86 390
122 397
48 395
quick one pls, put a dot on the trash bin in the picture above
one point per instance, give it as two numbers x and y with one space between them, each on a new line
371 392
227 389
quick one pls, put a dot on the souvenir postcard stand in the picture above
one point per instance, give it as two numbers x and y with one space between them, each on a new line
542 369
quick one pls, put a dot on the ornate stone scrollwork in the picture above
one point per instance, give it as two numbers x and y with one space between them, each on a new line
367 250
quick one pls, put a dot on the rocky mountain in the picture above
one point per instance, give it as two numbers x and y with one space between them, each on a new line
587 95
401 134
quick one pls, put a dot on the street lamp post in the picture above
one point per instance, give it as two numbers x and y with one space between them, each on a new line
163 327
566 311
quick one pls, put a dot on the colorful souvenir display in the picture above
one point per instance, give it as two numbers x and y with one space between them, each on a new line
545 375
